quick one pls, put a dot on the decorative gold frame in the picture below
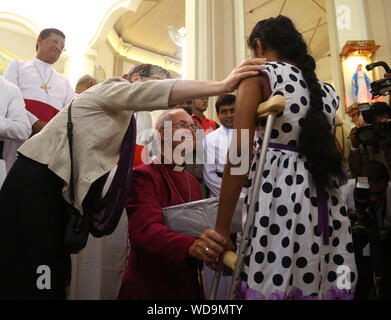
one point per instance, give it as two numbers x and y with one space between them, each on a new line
365 49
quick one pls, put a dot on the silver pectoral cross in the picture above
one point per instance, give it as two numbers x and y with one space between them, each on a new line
45 87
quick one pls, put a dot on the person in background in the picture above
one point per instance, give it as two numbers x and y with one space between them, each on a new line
85 82
199 108
370 214
187 106
379 150
14 124
44 90
216 144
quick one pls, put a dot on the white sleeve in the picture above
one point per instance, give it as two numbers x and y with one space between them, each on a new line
15 124
12 75
12 72
32 119
347 193
211 180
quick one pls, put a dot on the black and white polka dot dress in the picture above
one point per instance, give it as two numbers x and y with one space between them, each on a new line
287 258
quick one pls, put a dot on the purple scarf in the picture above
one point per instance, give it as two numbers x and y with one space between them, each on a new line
108 211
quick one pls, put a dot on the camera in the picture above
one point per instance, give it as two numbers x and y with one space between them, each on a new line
362 217
380 87
372 132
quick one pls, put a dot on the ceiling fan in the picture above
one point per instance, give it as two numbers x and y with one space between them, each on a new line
177 35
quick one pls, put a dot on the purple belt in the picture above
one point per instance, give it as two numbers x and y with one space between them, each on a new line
323 217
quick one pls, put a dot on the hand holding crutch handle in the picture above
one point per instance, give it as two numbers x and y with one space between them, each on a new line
273 106
229 259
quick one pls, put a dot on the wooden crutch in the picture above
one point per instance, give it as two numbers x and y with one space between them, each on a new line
269 109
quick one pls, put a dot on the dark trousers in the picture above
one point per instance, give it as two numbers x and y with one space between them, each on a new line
33 263
365 273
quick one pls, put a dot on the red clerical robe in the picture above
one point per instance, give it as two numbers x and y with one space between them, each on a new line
158 264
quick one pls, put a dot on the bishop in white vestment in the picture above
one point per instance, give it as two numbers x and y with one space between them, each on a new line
44 90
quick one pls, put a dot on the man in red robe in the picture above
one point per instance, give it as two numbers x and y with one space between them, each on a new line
163 264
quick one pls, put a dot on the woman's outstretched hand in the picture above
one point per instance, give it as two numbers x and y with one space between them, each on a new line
248 68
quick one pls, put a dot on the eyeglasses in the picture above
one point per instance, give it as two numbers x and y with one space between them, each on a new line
58 44
152 77
183 125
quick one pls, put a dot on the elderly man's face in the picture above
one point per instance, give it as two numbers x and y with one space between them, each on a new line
183 133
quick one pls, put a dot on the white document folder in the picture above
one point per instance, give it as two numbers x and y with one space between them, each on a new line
193 218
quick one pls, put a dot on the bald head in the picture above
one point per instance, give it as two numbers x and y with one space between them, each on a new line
169 115
85 82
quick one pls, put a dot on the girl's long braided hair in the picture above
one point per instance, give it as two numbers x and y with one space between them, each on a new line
316 140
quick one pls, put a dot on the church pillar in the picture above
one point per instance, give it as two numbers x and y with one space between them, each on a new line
346 21
215 40
89 61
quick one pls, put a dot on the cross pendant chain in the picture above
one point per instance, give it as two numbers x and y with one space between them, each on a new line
45 87
44 84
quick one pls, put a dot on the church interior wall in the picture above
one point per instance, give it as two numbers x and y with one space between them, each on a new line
323 70
104 62
15 43
379 29
20 45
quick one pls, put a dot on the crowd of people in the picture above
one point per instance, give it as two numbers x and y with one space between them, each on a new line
311 218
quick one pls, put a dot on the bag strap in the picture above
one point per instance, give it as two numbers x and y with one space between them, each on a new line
70 141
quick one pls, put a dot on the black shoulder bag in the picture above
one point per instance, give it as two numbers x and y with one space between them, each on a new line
77 228
101 216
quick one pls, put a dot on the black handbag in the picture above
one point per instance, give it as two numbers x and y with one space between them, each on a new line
101 216
77 227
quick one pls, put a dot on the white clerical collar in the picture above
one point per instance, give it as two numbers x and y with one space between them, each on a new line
175 167
178 168
36 60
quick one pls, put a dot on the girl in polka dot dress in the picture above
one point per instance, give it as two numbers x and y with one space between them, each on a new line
301 245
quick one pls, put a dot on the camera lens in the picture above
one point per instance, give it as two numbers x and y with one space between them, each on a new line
365 135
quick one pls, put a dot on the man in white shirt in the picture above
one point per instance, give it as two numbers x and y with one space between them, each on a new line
216 144
44 90
14 124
